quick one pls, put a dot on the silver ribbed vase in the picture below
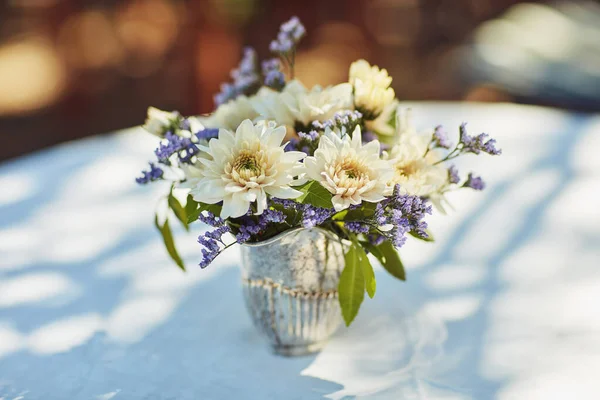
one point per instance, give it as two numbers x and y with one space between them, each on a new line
290 287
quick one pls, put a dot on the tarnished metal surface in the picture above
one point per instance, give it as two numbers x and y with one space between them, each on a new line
290 287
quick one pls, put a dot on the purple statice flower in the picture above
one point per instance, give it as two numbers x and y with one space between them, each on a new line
246 79
153 174
286 203
346 121
406 213
211 219
228 92
477 144
379 217
207 134
274 77
253 226
376 239
292 145
275 80
474 182
212 240
306 142
313 216
310 136
453 176
173 144
357 227
288 37
440 138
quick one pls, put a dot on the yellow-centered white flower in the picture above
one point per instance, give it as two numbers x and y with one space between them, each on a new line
350 171
372 91
159 121
246 167
413 164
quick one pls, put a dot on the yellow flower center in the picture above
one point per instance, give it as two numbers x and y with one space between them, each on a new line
247 166
407 169
246 161
353 170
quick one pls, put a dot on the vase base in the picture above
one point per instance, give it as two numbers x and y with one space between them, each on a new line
299 350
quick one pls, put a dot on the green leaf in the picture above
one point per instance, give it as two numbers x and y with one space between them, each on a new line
391 260
373 250
165 231
366 210
179 211
370 283
340 216
213 208
352 286
315 194
429 237
191 205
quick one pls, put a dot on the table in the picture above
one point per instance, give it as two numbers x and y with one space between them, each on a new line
504 305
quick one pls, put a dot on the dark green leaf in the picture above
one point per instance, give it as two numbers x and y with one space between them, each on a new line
429 237
373 250
315 195
191 205
366 210
391 260
165 231
352 286
179 211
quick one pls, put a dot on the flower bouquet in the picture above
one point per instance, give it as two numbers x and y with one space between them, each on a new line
309 182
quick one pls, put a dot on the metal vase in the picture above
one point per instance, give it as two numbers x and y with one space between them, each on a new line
290 287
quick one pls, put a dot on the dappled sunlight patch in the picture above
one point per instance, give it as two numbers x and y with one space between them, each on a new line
455 277
134 318
502 219
558 254
63 335
10 341
571 212
48 287
584 157
454 308
16 187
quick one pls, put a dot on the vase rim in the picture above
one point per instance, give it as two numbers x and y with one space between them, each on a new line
288 232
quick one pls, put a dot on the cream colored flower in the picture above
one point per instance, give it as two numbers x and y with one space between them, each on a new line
414 166
159 121
229 115
297 104
381 125
350 171
372 91
246 167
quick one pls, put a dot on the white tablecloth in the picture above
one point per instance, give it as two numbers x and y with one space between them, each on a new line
505 304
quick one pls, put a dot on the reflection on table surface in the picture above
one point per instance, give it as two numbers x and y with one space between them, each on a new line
503 305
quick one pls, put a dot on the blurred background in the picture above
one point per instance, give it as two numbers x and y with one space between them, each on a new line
74 68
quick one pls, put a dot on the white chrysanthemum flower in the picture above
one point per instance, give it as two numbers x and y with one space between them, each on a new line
414 166
229 115
246 167
372 91
297 104
159 121
350 171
